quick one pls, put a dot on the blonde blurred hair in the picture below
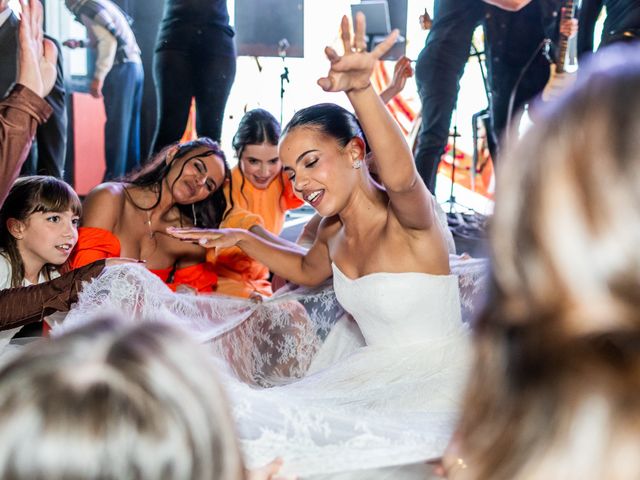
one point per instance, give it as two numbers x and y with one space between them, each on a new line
566 229
112 403
554 390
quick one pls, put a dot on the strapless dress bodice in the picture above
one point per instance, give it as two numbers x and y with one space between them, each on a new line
394 309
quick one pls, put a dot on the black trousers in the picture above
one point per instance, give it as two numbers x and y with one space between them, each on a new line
49 147
439 68
181 75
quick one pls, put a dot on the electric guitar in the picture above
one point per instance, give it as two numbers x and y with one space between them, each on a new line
562 75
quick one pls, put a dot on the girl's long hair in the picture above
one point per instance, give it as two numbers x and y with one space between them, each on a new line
27 196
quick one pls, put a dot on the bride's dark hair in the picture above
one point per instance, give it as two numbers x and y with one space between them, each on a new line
329 119
206 213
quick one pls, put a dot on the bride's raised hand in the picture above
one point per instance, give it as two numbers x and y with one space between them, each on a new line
352 71
207 237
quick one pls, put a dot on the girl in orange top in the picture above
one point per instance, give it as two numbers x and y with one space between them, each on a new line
259 186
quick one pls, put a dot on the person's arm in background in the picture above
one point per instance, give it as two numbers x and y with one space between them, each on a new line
24 108
589 12
106 46
510 5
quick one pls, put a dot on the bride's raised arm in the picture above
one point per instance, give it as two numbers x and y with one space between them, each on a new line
410 199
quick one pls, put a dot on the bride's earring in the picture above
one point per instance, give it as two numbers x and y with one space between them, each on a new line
356 164
193 210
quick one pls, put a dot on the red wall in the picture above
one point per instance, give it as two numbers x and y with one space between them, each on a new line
88 134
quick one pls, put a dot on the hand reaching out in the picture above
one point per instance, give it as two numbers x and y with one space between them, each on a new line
109 262
37 56
401 72
208 238
352 71
73 43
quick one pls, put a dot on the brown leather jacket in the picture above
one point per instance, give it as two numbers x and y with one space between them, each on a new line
22 305
20 113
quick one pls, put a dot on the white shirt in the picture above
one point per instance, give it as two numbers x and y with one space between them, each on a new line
4 15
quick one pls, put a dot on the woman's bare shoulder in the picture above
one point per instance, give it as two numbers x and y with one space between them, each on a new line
103 205
108 191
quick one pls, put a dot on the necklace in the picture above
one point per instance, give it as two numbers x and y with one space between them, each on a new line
152 234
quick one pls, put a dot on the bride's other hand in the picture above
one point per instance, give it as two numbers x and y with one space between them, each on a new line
208 238
352 71
269 472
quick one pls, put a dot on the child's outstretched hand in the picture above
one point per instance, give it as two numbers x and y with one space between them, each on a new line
352 71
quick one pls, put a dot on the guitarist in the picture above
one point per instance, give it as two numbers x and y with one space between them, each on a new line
440 67
622 22
516 62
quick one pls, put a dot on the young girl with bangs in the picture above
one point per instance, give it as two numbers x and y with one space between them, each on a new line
39 230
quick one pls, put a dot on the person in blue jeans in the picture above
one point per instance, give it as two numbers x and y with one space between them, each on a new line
118 77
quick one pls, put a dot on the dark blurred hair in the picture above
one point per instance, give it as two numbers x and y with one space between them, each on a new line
329 119
208 212
30 195
256 127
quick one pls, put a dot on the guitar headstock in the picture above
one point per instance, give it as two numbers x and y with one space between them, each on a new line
425 20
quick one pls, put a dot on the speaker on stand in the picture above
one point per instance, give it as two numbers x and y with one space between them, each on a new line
270 28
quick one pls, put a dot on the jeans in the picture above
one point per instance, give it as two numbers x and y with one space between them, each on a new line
439 68
122 92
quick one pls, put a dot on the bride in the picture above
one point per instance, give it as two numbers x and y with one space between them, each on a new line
390 402
382 244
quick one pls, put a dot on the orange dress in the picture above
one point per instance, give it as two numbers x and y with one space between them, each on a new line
97 243
238 274
271 203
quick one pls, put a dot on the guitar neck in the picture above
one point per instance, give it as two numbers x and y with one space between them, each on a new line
568 12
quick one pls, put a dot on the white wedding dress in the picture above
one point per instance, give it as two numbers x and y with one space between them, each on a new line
334 404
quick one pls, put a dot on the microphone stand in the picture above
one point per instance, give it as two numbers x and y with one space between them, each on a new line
283 45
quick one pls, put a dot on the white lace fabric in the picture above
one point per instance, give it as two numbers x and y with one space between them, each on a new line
301 382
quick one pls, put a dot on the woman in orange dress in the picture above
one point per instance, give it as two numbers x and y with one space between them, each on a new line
259 186
181 186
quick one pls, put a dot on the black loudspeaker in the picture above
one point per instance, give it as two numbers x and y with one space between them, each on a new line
269 28
398 19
